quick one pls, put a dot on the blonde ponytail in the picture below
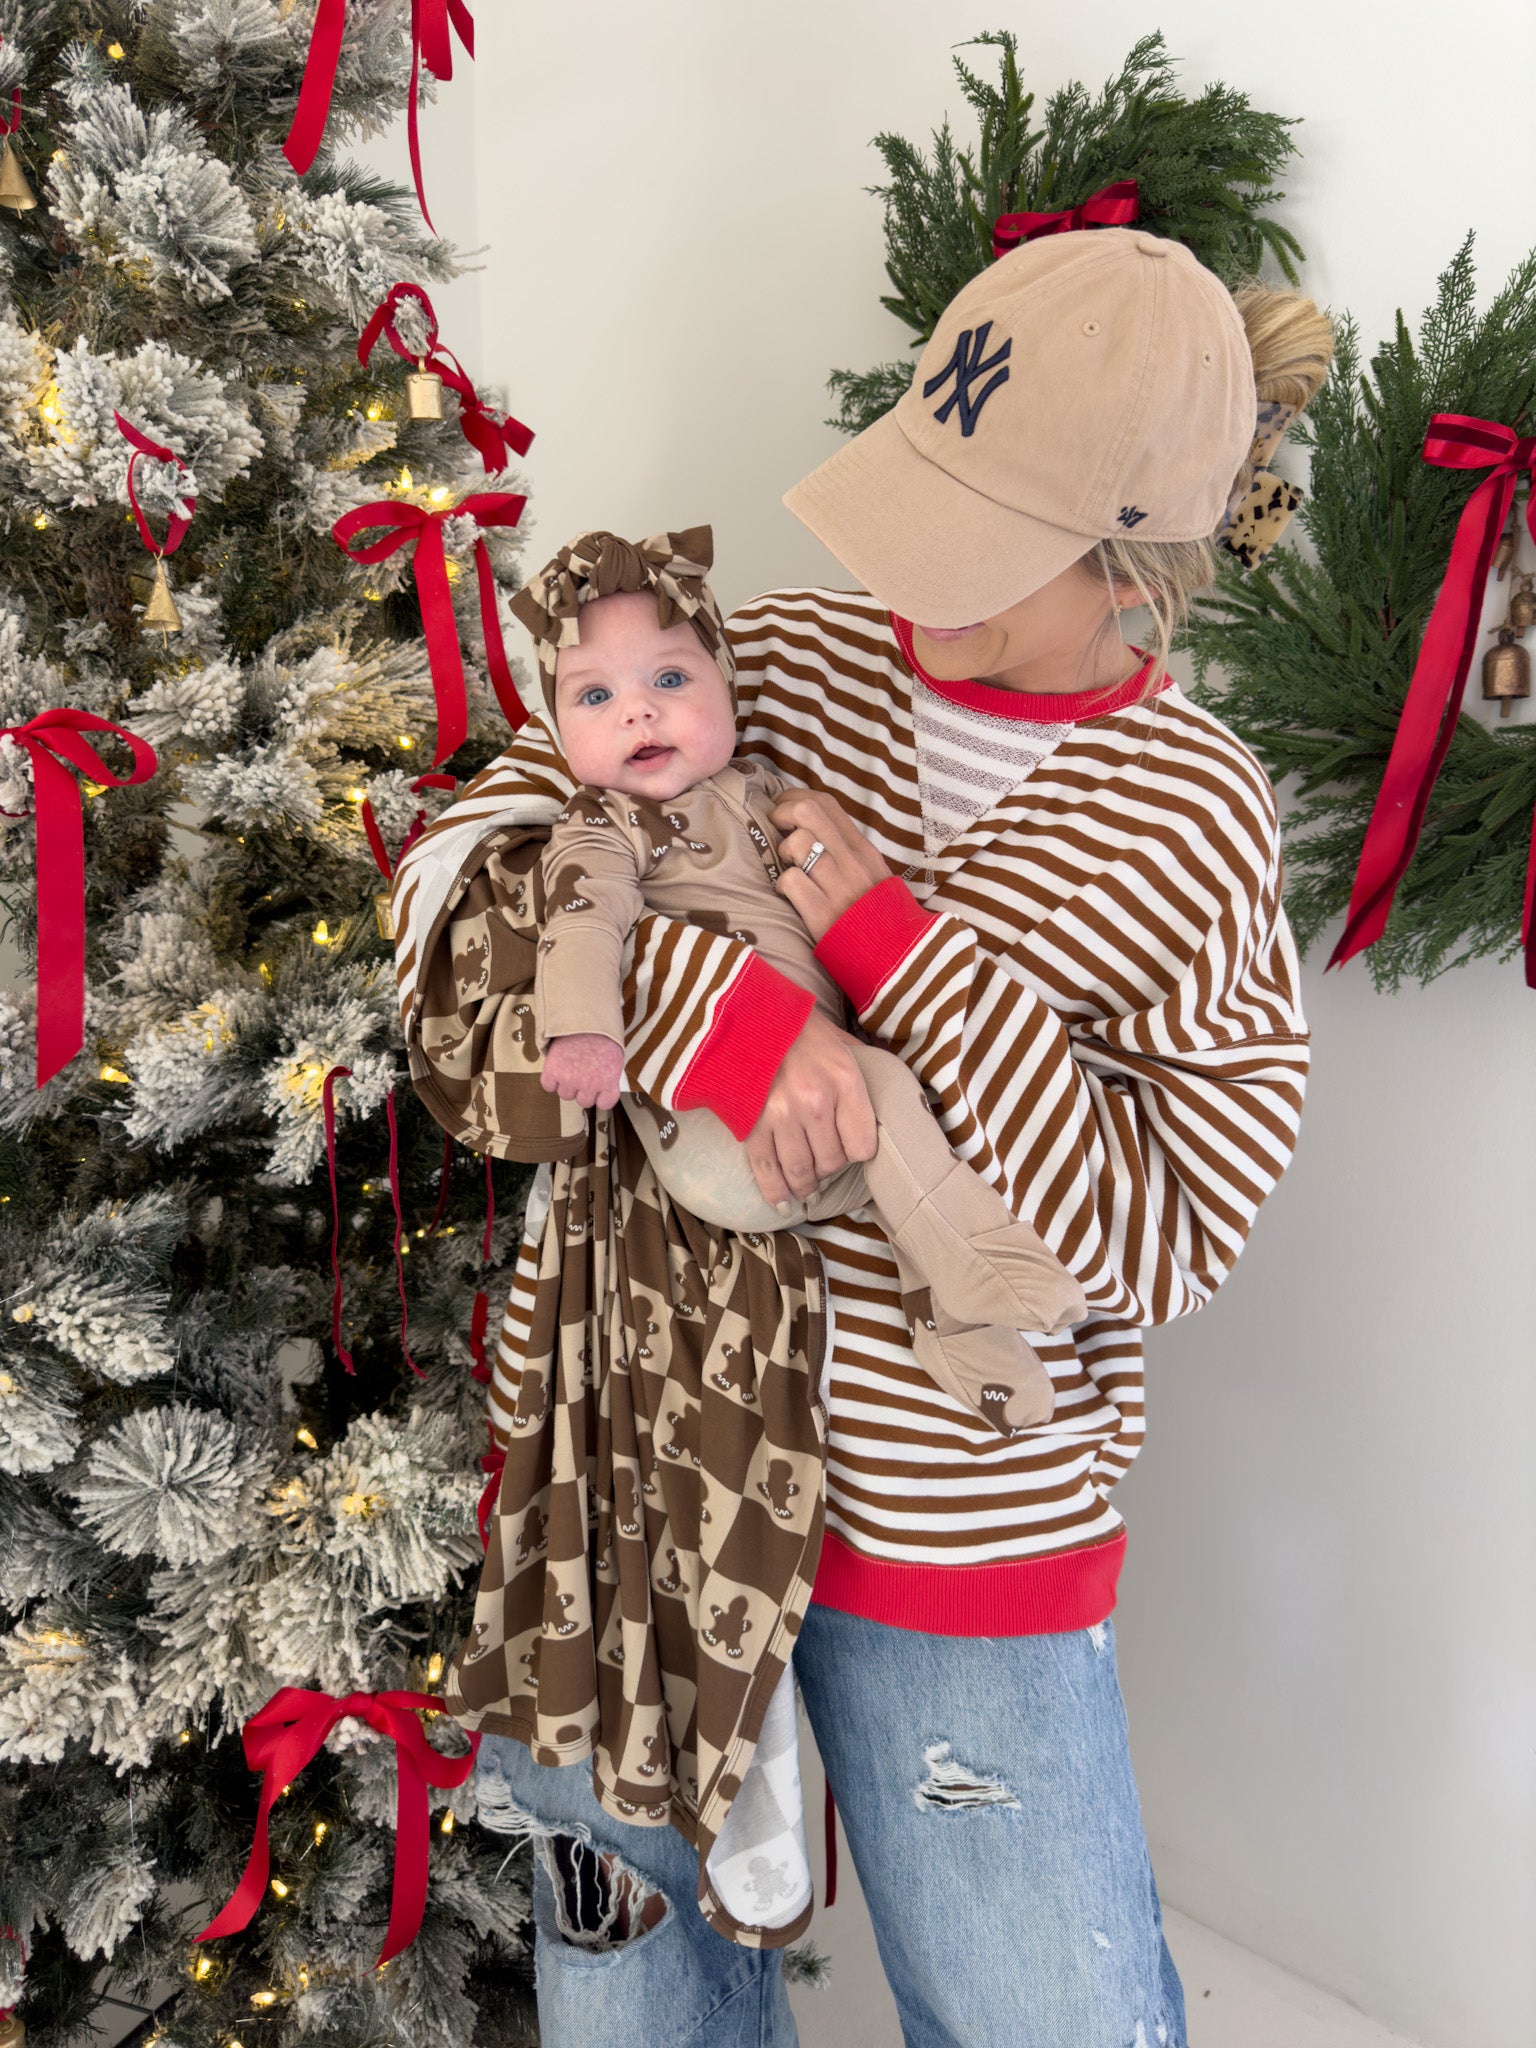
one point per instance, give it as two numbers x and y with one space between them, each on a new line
1291 341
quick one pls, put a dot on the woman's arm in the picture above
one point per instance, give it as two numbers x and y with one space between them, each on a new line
1139 1146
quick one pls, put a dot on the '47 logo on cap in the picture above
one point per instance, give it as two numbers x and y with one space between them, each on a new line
969 361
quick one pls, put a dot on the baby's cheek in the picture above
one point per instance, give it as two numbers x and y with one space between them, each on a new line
591 756
714 737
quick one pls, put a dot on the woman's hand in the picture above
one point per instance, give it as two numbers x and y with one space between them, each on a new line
817 1116
584 1067
847 869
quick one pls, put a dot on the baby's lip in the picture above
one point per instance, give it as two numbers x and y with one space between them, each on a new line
650 752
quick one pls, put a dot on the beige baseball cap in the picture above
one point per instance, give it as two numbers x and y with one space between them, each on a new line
1085 385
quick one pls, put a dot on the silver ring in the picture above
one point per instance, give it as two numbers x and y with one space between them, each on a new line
817 850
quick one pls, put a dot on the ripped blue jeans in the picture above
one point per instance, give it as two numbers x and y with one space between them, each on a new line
986 1792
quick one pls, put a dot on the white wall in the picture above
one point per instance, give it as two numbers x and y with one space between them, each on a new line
1326 1630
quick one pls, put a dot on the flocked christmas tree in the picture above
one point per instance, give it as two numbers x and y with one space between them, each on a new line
198 1502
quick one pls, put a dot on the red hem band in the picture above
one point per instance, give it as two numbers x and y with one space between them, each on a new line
756 1021
1034 707
1037 1596
871 939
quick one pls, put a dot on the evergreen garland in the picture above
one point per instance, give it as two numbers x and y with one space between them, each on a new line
1316 650
1204 168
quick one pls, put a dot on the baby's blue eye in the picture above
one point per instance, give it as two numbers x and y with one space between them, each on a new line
594 695
671 679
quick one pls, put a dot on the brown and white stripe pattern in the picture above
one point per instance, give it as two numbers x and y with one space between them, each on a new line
1105 1015
1106 1018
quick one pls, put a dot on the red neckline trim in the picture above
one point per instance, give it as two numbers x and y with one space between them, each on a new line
1029 706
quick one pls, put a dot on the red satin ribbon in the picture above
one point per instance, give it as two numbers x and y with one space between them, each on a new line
495 437
491 1464
433 23
375 837
52 740
328 1110
178 522
1433 704
287 1733
407 522
1114 206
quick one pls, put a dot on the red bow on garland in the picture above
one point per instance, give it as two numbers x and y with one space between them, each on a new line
433 24
1115 206
406 522
1433 704
495 438
52 740
286 1734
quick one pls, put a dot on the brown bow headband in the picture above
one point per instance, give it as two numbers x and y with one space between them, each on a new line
599 564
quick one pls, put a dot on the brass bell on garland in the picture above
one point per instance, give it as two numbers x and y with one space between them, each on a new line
160 616
424 393
1506 671
384 918
13 2033
16 193
1522 602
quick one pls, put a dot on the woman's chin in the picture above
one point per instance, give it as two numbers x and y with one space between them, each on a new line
955 659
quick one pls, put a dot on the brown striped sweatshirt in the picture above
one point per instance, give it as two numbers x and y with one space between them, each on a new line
1096 984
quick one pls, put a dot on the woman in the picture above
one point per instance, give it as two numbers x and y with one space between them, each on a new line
1051 884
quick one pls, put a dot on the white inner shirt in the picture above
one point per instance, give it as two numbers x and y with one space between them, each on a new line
967 759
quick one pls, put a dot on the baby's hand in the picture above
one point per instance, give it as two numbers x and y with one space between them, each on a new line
584 1067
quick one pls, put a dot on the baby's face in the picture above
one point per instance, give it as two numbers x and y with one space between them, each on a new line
639 709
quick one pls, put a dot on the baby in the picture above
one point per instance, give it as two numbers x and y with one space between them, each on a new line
640 682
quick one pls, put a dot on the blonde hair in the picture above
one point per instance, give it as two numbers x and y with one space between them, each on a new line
1291 341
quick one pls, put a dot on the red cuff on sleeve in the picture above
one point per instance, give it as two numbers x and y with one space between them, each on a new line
756 1021
871 939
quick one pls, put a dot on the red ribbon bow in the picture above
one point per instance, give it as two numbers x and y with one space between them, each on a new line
406 522
1114 206
433 23
1433 704
494 437
286 1734
53 739
177 524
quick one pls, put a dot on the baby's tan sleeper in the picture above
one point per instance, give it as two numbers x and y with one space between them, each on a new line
973 1276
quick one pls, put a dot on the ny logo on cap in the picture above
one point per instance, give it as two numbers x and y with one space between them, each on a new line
969 362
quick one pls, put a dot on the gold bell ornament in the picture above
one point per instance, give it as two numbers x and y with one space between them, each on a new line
384 918
1506 671
160 616
13 2033
1522 602
424 393
16 193
1504 553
